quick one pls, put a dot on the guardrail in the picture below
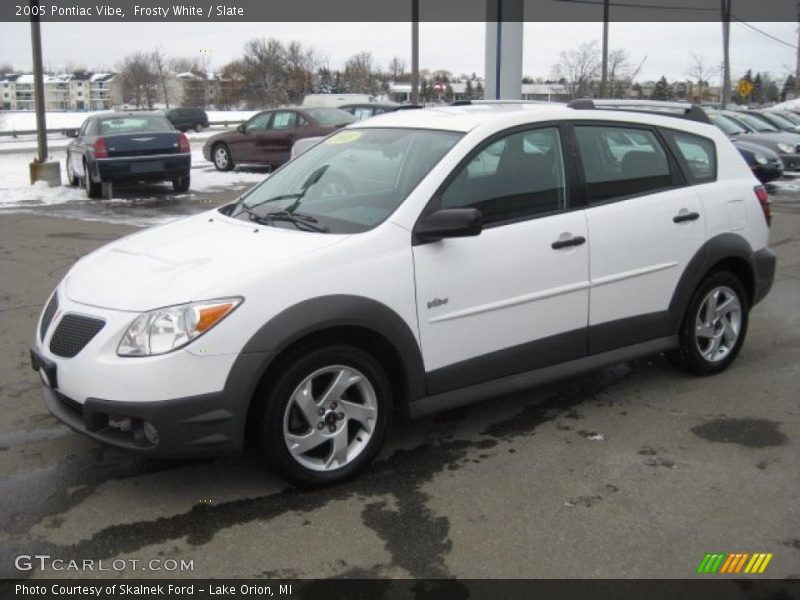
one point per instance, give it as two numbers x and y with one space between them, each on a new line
15 133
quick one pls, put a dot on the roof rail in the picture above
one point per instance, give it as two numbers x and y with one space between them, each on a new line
681 110
478 102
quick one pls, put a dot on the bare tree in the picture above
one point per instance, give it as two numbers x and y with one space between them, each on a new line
232 85
301 63
6 68
701 72
619 73
264 65
579 69
358 74
397 69
139 79
160 68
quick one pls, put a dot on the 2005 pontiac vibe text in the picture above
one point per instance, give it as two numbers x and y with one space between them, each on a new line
410 263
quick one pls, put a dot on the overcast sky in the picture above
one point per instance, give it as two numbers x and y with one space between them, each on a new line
457 47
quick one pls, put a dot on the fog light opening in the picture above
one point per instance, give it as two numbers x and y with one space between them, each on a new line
120 423
150 433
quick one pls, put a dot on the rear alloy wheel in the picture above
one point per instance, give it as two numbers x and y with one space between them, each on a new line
714 327
327 417
181 184
222 157
93 190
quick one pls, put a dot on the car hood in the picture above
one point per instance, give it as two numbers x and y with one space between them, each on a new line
753 147
198 258
770 139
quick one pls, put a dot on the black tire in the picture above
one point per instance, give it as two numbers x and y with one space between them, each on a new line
219 164
181 184
93 190
198 128
688 355
72 179
272 409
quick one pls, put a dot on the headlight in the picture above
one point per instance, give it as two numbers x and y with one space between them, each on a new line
760 159
166 329
786 148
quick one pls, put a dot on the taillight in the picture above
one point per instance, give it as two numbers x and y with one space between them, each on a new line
184 143
763 200
100 150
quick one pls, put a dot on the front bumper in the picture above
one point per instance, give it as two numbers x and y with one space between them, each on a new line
769 172
197 404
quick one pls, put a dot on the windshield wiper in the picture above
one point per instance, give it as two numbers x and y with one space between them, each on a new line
300 220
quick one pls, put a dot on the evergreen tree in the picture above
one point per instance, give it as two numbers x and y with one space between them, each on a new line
661 90
789 87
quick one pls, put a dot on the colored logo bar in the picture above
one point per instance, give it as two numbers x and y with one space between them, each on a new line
734 563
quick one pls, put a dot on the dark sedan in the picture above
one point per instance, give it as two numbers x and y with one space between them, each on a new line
765 164
267 138
123 147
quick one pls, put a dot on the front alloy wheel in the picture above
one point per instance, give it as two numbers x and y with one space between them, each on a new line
325 414
330 418
222 158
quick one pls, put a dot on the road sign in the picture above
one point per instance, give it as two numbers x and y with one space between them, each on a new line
744 88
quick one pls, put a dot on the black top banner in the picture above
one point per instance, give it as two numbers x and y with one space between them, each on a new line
393 10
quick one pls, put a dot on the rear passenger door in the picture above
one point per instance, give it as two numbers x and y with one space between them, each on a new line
275 144
645 222
515 297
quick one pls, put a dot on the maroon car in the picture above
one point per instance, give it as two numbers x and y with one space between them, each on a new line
267 138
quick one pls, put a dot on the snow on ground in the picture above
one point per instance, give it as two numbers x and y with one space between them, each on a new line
133 203
25 120
788 105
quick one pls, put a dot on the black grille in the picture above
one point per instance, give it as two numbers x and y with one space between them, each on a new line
47 316
73 333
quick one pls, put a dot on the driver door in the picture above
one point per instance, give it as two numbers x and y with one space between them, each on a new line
515 297
244 147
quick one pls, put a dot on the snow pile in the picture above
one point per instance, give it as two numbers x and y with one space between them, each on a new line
789 105
38 194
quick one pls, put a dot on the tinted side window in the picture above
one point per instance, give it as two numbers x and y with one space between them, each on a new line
258 122
621 161
516 177
699 153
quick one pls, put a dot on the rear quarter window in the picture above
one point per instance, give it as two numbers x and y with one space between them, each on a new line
699 155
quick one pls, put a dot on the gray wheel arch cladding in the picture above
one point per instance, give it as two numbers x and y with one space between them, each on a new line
716 249
313 316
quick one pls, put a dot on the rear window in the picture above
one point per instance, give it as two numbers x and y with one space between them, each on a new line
699 154
331 116
133 124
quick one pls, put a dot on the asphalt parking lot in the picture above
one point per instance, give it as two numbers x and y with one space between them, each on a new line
635 471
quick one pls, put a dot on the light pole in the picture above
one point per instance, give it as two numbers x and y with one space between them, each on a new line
414 51
726 63
41 169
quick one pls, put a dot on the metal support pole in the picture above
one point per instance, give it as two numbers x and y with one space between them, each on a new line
604 76
38 79
414 51
726 63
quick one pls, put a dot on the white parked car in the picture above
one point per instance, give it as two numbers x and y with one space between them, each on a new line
411 263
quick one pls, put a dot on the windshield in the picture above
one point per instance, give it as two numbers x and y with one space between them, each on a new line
349 183
779 120
791 117
726 125
134 124
755 123
330 117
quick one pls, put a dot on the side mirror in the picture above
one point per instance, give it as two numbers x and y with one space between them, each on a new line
73 133
449 223
240 128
